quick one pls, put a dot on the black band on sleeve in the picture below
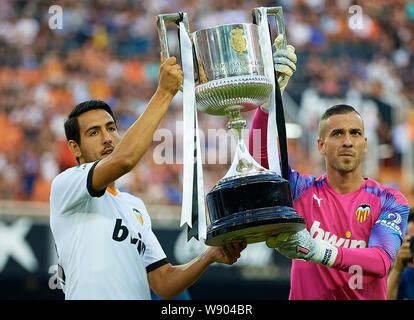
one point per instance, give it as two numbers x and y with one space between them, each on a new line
91 191
156 265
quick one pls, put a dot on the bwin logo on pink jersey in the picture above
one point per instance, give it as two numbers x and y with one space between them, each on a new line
333 239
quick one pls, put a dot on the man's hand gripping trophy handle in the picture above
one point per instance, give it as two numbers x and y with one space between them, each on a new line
170 76
285 65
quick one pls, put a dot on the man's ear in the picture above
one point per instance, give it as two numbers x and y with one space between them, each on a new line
321 146
74 148
366 145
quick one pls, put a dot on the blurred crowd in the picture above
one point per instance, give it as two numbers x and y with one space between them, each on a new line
109 50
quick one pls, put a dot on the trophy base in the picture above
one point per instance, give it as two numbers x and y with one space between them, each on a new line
251 208
254 226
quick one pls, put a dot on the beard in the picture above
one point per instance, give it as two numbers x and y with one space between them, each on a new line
346 165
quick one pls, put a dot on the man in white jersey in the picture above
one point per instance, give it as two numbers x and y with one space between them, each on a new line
106 248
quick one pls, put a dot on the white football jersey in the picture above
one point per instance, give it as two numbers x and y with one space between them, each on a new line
104 240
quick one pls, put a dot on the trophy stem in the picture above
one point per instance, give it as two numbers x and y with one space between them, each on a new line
243 163
237 125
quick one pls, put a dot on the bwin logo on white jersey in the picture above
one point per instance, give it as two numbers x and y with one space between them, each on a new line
333 239
121 233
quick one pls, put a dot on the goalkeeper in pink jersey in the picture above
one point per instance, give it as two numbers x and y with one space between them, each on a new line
354 225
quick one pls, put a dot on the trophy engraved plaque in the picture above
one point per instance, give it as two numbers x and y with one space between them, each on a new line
250 202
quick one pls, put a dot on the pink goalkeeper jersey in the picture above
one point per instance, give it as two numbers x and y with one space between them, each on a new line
367 225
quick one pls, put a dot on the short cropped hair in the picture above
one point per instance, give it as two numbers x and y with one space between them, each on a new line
71 123
334 110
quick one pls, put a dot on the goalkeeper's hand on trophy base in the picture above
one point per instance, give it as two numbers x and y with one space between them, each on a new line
301 246
285 65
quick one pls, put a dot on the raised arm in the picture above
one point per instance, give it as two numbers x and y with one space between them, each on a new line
285 65
139 136
258 138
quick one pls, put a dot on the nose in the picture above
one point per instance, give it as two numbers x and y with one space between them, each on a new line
347 141
107 138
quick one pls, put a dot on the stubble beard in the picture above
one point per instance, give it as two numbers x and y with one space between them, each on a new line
346 165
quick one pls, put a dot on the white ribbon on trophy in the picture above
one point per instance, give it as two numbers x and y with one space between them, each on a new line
267 56
191 143
202 223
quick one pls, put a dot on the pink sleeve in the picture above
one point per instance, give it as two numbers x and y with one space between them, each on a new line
258 138
373 261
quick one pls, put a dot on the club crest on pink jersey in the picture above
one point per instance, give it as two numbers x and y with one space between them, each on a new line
362 212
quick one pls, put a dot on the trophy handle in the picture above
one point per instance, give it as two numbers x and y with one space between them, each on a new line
280 123
162 31
277 12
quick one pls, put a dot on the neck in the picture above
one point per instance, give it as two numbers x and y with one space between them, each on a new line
345 182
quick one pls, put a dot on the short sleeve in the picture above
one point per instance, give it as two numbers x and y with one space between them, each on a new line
154 256
72 188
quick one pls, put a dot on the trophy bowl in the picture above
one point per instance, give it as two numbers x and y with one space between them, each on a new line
230 69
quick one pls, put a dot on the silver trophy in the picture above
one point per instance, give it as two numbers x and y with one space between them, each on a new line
250 202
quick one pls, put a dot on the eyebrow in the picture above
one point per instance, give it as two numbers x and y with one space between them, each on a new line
109 123
343 130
